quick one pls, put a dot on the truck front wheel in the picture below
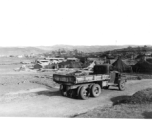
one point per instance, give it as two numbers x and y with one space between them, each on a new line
121 85
95 90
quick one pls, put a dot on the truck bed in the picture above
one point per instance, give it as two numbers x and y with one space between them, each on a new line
72 79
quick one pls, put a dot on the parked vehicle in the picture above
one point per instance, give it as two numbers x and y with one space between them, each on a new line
85 86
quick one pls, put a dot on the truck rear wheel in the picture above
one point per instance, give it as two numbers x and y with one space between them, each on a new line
121 85
78 91
71 93
90 88
95 90
84 93
62 90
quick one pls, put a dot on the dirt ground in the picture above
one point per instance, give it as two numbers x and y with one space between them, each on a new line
120 111
34 94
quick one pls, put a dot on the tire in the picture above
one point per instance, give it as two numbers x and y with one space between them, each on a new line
95 90
78 91
62 90
74 93
69 93
121 85
84 93
90 87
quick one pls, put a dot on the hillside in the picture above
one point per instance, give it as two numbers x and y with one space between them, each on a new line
20 51
86 49
135 49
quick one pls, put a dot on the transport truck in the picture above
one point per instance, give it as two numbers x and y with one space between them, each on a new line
90 85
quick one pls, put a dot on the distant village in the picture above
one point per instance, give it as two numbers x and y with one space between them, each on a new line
130 59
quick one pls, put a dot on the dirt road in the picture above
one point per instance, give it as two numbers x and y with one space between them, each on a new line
47 102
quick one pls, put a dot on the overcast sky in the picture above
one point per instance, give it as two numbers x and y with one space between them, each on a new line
75 22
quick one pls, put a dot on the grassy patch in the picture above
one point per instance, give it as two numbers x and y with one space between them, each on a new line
121 111
139 105
141 97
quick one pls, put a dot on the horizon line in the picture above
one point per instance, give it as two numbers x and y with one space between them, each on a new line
75 45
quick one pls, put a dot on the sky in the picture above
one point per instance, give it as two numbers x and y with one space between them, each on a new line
75 22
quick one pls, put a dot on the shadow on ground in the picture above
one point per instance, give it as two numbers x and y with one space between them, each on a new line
41 83
119 99
147 114
49 93
54 93
113 89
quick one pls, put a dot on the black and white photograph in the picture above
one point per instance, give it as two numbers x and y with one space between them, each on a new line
76 59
